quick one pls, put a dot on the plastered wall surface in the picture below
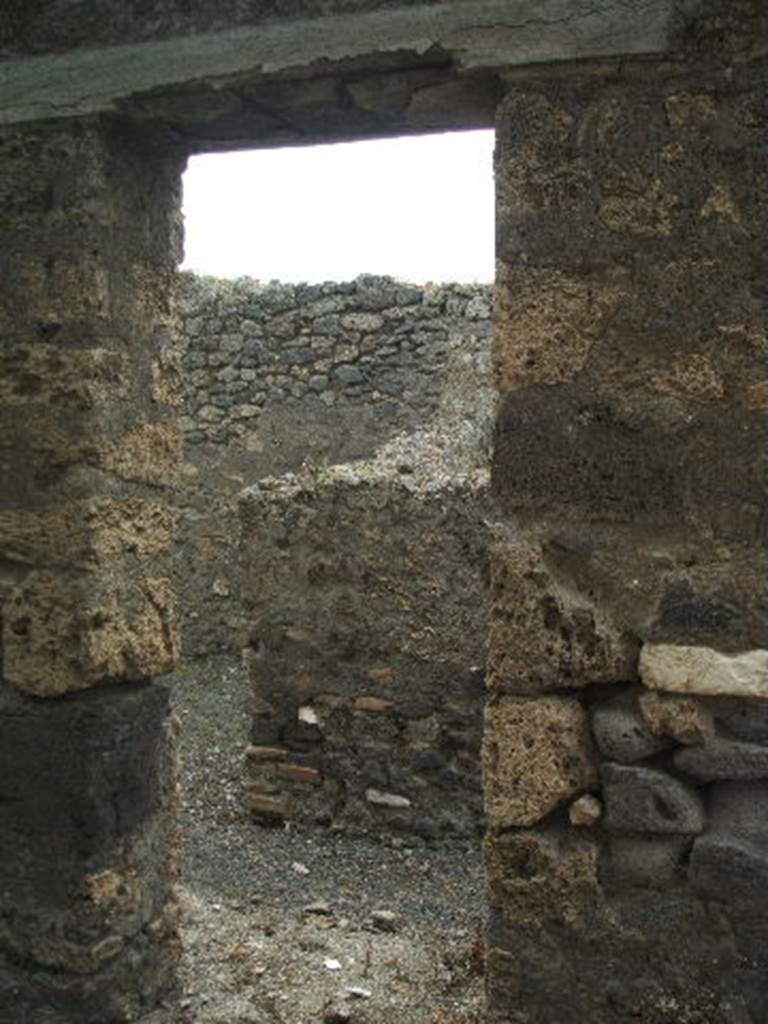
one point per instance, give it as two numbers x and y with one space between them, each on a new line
280 376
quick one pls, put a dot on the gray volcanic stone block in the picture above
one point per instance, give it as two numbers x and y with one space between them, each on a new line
730 861
730 869
647 861
648 800
87 919
723 759
739 809
621 732
743 719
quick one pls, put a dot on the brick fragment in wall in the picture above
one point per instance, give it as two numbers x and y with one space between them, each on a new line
62 634
268 806
542 635
537 754
536 879
684 719
255 753
704 671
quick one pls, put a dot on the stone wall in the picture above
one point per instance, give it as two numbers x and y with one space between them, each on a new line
365 594
626 754
90 225
366 600
279 376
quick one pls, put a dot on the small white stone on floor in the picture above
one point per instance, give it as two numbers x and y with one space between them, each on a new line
299 868
308 715
355 992
375 796
332 965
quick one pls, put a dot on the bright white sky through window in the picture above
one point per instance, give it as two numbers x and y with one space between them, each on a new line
418 209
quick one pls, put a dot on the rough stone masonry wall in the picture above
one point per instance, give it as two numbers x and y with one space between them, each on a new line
90 225
626 750
280 375
365 593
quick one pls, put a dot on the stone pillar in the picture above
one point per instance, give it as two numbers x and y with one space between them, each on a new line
89 217
627 851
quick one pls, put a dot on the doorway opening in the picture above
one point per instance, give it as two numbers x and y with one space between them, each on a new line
341 428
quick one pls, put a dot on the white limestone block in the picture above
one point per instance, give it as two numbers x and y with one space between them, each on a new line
702 670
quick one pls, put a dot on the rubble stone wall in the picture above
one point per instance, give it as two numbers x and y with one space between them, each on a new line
366 599
277 376
626 751
365 595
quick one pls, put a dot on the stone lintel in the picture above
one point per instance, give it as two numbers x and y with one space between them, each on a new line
483 34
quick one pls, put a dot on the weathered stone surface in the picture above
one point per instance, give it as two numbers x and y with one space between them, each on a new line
61 635
44 374
649 800
89 213
542 635
729 869
730 861
91 778
621 732
704 671
647 861
546 324
148 454
536 879
685 719
723 759
742 719
627 449
86 532
585 811
537 753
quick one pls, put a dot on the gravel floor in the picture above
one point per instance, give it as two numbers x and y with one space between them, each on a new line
299 926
